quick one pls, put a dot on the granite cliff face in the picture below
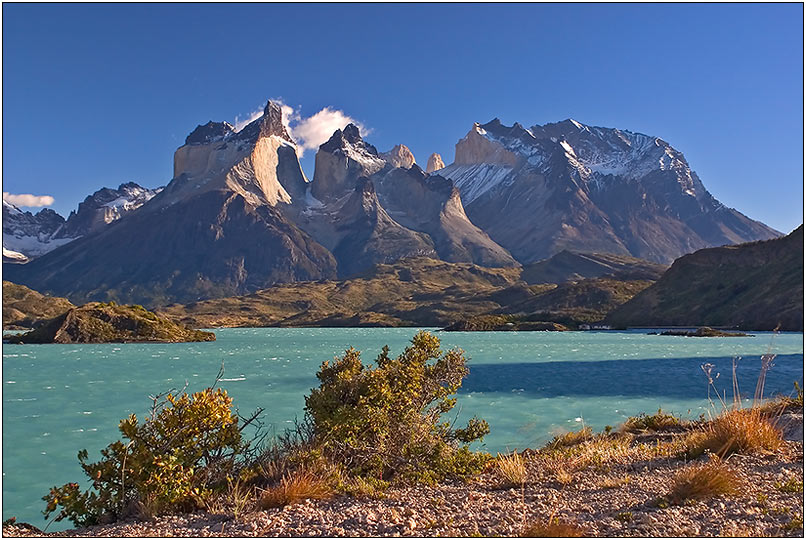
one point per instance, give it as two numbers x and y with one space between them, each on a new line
407 205
571 186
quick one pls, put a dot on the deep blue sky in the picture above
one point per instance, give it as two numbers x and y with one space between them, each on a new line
97 95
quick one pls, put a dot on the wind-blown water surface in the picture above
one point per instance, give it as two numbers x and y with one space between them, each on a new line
58 399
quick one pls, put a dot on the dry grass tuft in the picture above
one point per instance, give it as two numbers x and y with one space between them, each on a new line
614 482
512 468
572 438
294 488
563 476
703 481
553 528
740 431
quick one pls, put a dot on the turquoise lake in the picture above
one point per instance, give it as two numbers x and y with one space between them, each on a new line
58 399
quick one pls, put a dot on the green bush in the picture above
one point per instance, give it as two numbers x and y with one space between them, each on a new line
387 421
179 456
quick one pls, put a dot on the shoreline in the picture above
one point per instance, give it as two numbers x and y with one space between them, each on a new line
621 497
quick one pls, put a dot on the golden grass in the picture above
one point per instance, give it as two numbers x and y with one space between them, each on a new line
563 476
553 528
512 468
740 431
294 488
572 438
704 481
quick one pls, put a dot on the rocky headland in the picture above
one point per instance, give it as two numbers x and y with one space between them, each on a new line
98 322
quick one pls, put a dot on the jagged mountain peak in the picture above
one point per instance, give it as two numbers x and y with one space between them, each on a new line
209 132
348 138
271 124
435 163
341 161
399 156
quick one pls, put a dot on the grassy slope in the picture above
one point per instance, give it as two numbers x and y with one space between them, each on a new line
23 307
752 286
410 293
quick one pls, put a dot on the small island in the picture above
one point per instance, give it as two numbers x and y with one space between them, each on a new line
503 323
98 322
705 331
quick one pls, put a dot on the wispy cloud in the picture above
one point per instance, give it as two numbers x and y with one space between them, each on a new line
308 132
26 199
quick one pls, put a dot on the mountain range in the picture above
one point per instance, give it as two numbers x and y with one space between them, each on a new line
27 235
240 215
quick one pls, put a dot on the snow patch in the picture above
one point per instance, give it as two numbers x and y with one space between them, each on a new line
474 180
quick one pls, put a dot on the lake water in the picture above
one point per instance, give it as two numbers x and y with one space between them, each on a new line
58 399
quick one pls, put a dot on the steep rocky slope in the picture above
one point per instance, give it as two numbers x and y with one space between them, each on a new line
753 286
576 187
109 323
569 265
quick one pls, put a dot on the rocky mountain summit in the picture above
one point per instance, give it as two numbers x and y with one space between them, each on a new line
399 156
572 186
240 215
435 163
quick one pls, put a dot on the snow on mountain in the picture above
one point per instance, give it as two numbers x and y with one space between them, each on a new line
33 235
567 185
30 235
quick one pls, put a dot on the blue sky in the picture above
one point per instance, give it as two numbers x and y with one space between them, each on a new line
96 95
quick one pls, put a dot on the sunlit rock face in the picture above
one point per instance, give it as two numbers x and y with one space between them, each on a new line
435 163
399 156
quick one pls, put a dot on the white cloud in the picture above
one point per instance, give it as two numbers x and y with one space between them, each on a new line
26 199
309 132
315 130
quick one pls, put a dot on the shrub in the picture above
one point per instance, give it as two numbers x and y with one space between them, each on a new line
386 421
655 422
553 528
703 481
174 460
741 430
